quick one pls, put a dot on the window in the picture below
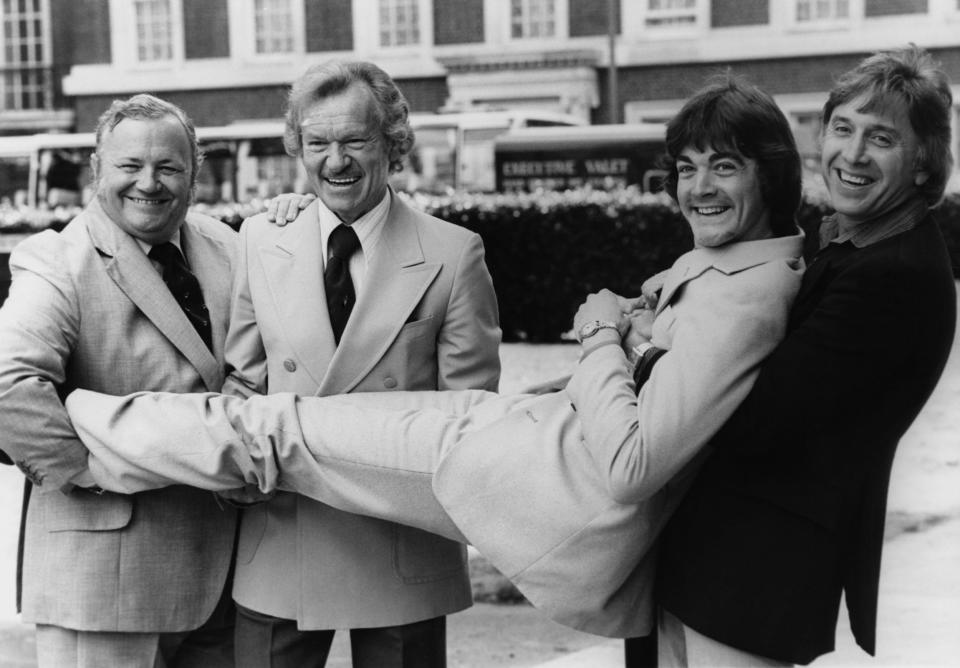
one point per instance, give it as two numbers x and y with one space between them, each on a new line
154 30
806 132
273 26
399 22
671 13
26 75
532 18
809 11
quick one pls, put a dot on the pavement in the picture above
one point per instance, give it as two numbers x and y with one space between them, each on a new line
919 608
918 620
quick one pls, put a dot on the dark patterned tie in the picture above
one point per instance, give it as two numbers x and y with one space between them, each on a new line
184 287
341 246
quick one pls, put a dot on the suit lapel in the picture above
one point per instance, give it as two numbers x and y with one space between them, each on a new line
134 274
211 265
294 276
686 268
396 281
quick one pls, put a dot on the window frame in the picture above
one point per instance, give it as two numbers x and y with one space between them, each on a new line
40 86
560 27
854 8
243 32
391 6
125 45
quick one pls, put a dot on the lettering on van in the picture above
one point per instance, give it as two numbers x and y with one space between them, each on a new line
539 168
610 166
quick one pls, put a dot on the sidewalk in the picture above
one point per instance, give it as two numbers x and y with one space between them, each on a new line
918 621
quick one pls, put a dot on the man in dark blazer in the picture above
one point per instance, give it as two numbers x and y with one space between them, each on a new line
120 579
788 512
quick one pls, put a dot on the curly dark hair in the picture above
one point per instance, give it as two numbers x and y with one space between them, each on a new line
729 114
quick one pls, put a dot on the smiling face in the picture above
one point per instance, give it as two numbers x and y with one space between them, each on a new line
869 160
345 153
719 194
143 178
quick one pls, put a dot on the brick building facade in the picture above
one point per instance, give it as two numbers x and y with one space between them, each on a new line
231 60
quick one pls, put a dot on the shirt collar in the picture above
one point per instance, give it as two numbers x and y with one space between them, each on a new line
737 256
175 240
368 226
838 229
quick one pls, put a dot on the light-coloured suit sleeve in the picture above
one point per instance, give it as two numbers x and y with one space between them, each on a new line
721 330
39 326
245 354
468 345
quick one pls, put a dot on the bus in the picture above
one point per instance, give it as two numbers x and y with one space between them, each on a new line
455 151
246 160
600 156
241 161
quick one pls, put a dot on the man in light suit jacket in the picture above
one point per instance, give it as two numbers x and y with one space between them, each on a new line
111 579
425 318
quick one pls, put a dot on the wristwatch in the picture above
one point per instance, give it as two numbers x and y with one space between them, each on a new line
592 327
638 351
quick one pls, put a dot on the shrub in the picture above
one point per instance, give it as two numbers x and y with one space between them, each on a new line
546 251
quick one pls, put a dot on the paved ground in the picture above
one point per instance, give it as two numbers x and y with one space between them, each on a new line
918 621
919 616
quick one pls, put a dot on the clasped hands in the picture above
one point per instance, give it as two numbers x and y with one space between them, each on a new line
633 316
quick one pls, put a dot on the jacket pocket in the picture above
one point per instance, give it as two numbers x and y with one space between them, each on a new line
420 557
84 511
811 500
414 329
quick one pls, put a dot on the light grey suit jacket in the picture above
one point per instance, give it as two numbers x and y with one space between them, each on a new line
565 493
88 310
426 319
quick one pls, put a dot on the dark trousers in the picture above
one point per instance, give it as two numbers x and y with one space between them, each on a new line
263 641
640 652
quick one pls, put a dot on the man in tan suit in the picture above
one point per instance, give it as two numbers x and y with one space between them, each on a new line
111 579
412 308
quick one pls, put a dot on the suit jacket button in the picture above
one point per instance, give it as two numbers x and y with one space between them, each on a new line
289 365
389 383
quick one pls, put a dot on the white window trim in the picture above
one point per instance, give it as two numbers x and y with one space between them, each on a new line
45 63
243 38
367 33
561 22
634 14
854 18
123 37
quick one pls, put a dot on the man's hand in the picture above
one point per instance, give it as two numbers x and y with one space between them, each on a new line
605 305
245 496
651 289
640 331
284 208
641 327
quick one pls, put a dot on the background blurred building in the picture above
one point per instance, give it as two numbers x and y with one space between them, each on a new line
227 61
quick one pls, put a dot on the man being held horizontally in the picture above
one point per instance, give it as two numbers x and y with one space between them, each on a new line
564 493
360 293
132 295
788 512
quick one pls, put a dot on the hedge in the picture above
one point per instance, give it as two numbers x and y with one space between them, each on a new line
547 251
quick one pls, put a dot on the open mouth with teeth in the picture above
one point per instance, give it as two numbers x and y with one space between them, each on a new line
147 202
342 182
710 210
853 180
